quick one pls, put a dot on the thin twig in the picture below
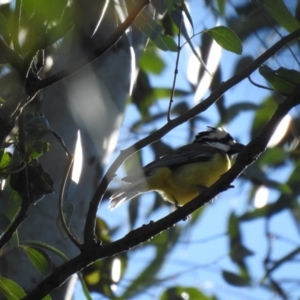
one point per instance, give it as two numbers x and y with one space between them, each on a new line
94 252
89 235
175 71
259 85
61 207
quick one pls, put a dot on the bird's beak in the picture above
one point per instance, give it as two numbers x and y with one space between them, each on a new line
236 148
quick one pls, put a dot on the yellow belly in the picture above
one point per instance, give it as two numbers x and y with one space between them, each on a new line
183 184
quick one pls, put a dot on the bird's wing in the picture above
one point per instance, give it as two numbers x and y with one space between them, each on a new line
188 154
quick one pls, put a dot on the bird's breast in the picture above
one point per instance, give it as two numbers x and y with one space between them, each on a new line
182 184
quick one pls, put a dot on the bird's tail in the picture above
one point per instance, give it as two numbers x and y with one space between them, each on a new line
124 194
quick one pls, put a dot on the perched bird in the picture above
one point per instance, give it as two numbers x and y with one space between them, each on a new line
180 176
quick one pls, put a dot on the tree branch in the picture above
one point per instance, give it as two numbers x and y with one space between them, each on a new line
89 235
40 84
94 252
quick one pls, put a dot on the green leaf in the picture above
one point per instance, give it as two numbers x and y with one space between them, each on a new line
263 115
187 13
241 107
36 125
273 156
226 38
10 204
154 31
44 10
84 288
282 80
234 230
4 32
150 61
281 14
14 241
177 16
160 6
221 6
235 279
10 289
178 291
5 159
239 252
37 149
40 259
42 245
40 182
4 223
13 205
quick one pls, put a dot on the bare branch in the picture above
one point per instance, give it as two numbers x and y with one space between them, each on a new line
214 96
94 252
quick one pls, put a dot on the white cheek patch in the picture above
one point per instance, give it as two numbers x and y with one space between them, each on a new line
219 145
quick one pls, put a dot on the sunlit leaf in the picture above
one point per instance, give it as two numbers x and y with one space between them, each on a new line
102 230
40 259
10 289
226 38
37 149
150 60
4 159
189 292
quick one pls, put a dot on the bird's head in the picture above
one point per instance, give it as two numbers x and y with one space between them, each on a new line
219 138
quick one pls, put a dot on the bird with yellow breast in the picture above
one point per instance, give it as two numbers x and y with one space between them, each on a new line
180 176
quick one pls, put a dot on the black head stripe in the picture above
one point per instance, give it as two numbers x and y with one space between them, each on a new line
214 135
220 139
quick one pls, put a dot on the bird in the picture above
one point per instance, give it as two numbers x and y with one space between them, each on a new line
183 174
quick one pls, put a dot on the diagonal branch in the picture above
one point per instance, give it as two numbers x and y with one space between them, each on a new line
40 84
95 252
89 235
